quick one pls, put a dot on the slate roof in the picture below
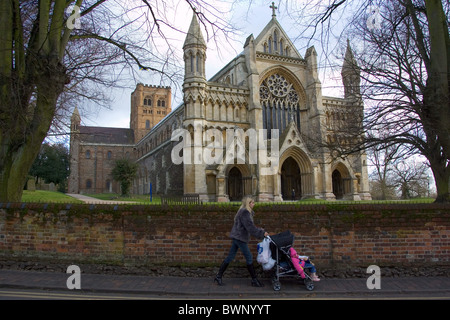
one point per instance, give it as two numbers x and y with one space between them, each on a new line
102 135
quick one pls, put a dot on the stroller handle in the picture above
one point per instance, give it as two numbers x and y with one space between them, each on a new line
270 239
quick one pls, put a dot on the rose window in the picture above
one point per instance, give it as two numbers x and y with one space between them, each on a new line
278 85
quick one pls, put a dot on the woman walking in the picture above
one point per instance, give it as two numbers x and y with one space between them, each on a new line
243 227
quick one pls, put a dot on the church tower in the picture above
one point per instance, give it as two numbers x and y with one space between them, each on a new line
194 54
75 121
351 75
194 89
73 180
194 85
149 105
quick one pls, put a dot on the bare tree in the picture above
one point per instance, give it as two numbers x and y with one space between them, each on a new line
404 62
411 178
382 161
45 59
400 81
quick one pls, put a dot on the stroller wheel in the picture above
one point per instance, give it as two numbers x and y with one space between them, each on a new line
276 286
309 284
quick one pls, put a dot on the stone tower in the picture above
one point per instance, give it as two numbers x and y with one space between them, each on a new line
194 54
73 181
194 95
149 105
351 76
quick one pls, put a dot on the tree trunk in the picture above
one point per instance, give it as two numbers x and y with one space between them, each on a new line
31 79
439 73
21 142
441 175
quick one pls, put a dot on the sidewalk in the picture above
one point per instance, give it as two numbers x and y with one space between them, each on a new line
91 200
204 288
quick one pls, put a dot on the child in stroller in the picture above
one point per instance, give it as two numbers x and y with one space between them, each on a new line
281 248
301 262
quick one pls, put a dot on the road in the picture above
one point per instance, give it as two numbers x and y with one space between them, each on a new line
38 294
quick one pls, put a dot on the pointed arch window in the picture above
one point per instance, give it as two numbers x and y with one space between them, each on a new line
275 41
197 62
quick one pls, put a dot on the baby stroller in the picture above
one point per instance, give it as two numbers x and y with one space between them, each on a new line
279 246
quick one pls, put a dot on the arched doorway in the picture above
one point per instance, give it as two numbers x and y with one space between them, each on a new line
290 180
338 184
235 184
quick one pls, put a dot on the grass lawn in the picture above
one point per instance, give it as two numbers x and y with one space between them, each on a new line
47 196
145 199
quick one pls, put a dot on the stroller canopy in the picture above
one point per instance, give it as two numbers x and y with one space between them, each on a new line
283 239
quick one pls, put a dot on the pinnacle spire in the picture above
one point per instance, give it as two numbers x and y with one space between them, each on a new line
194 35
350 63
350 74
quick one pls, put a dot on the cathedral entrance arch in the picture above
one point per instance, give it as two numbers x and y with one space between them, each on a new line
234 185
296 173
238 182
338 184
341 181
290 180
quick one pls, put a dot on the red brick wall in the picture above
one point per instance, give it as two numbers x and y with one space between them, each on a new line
333 236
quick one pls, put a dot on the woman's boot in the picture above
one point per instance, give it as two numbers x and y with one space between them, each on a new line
219 275
255 281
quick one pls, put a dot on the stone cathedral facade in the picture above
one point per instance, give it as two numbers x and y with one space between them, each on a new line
259 127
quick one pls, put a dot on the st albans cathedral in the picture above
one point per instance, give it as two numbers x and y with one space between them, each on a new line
259 127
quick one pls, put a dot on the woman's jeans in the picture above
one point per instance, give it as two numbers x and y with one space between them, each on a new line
235 245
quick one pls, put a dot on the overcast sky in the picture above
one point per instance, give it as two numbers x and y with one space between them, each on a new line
250 16
250 19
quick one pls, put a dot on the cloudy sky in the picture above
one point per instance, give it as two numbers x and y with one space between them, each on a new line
250 17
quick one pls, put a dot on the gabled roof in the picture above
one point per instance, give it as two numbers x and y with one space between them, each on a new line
259 45
292 133
102 135
269 30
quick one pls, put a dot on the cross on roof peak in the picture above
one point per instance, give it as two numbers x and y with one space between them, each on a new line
273 7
